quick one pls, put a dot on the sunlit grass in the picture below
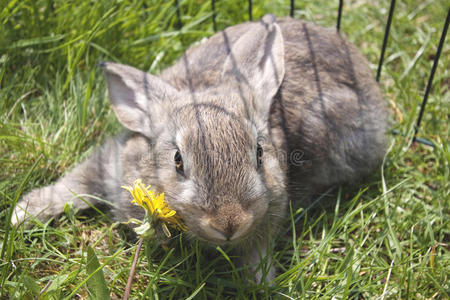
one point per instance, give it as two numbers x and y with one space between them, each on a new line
390 240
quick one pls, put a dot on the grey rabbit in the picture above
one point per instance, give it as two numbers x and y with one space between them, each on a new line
259 114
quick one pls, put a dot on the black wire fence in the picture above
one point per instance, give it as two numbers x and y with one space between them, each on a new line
382 54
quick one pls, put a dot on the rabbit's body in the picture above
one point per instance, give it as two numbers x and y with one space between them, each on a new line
329 117
258 114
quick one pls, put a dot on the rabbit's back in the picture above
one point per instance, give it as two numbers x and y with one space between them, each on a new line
329 107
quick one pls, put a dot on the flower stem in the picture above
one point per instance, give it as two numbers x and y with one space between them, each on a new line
132 270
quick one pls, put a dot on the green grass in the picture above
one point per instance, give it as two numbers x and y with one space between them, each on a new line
389 241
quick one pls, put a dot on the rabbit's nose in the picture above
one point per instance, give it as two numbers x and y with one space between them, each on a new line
230 222
227 231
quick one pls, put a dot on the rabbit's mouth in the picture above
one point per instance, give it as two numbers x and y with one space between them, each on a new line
223 242
229 222
212 231
228 232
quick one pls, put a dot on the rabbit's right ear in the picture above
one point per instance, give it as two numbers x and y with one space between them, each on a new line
137 98
257 60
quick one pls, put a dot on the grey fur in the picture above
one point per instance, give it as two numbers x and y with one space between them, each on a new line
303 92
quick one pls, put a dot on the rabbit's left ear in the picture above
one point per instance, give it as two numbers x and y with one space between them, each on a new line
138 99
257 60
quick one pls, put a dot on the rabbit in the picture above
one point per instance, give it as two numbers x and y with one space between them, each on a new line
258 115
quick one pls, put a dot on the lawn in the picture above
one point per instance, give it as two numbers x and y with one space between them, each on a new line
388 239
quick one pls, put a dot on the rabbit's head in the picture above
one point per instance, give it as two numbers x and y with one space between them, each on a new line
211 151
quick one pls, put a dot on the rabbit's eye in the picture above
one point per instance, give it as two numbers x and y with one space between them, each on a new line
259 154
178 162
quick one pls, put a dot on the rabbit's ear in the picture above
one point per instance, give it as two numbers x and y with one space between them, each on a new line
137 98
256 59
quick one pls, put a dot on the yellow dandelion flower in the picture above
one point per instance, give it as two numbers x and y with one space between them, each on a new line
155 206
